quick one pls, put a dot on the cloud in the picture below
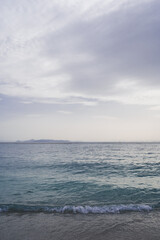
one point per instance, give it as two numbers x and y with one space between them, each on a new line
120 45
81 52
64 112
26 102
155 108
105 117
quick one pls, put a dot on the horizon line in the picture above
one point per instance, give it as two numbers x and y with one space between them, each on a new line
40 141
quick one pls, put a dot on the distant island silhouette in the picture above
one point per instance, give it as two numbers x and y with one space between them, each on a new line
43 141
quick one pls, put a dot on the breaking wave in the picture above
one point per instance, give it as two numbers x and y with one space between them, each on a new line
78 209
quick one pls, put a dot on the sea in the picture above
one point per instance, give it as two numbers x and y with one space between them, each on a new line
79 191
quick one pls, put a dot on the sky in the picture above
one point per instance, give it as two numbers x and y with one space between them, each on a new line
80 70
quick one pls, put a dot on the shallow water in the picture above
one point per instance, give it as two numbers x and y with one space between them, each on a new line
40 226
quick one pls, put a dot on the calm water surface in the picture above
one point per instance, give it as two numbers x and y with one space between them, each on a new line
80 178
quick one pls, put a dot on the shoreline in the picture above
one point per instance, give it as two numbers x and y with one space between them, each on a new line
40 226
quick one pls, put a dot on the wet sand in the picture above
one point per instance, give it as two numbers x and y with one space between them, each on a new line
40 226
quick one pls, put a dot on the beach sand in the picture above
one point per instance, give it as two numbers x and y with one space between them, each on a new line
41 226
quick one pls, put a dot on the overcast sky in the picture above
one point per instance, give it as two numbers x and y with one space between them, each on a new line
80 70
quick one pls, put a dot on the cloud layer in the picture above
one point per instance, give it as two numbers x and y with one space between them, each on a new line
70 51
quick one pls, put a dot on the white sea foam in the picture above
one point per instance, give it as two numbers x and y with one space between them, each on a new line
101 209
78 209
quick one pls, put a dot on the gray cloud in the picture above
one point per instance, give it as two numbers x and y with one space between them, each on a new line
81 52
122 45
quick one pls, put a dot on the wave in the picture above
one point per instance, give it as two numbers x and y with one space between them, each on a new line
77 209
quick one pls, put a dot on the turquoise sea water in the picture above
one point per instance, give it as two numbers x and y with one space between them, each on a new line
80 177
